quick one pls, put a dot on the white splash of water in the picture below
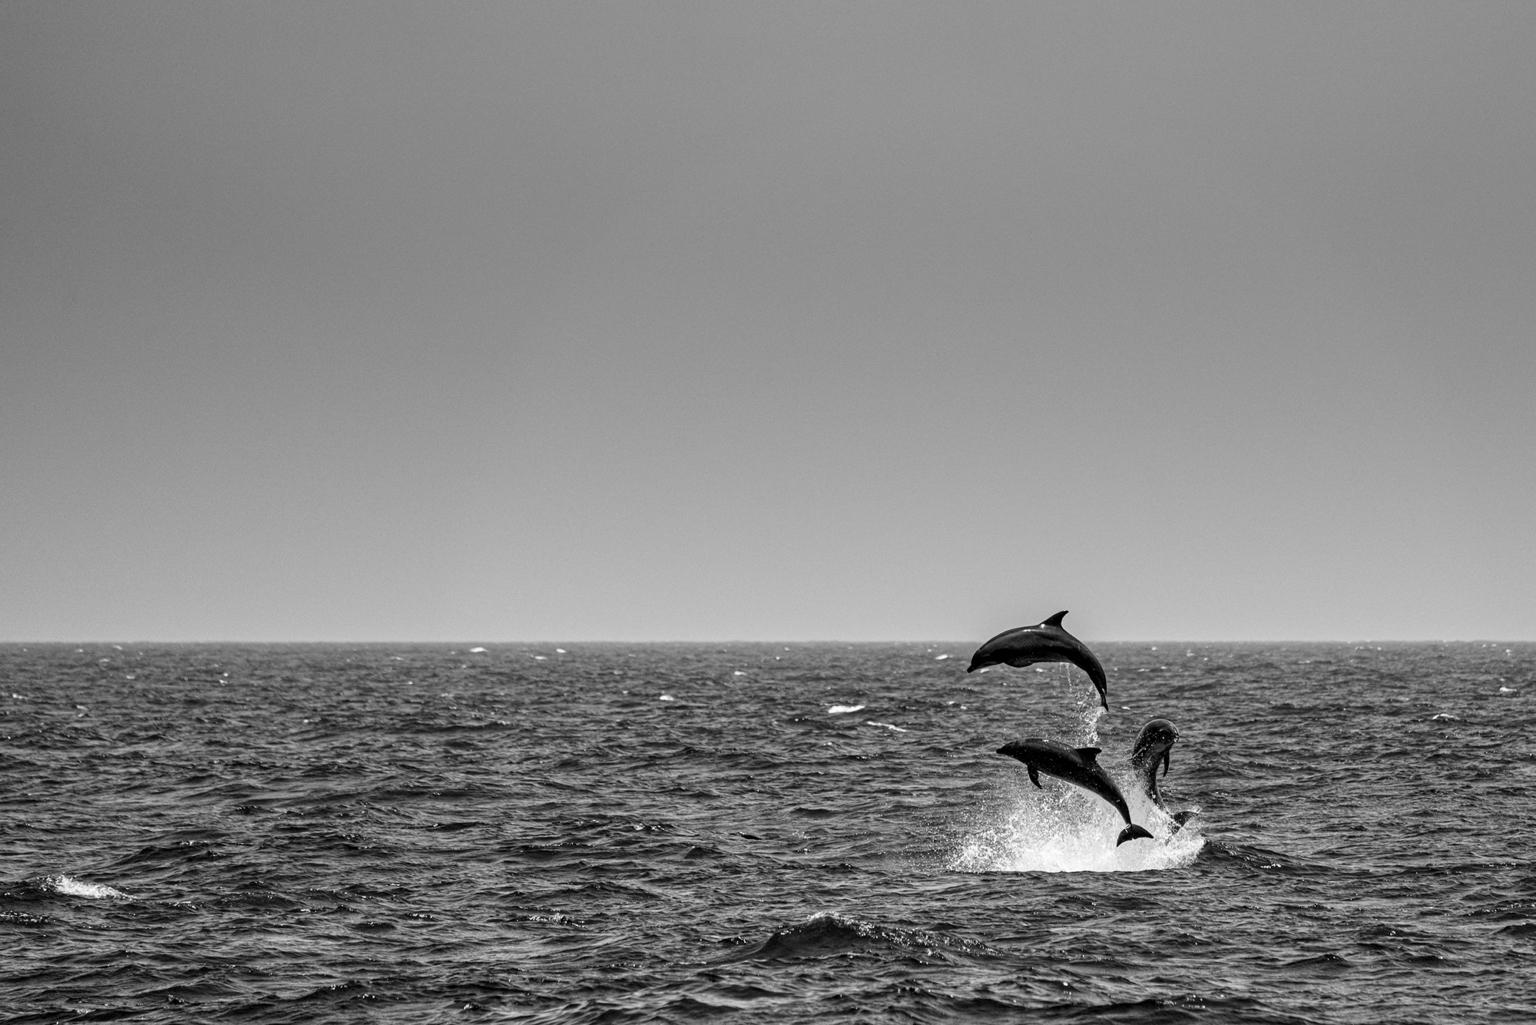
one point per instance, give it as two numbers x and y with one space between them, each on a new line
1090 715
1071 686
844 709
1063 828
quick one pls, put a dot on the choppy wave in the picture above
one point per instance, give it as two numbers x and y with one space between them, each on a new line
831 934
519 833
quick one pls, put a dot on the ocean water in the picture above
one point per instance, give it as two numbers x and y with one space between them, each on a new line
760 833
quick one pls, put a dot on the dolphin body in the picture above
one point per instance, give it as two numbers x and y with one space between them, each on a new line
1153 744
1046 641
1078 766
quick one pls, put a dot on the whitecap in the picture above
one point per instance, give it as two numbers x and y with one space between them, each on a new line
885 725
72 887
477 651
844 709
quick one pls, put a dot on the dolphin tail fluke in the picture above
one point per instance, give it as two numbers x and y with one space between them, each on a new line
1133 832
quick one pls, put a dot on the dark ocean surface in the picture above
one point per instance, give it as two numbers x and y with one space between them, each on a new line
761 833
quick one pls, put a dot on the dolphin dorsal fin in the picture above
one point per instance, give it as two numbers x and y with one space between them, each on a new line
1054 620
1089 754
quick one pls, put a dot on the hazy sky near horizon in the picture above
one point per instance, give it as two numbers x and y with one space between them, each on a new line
565 321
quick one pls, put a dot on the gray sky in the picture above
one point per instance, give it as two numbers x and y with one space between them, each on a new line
766 321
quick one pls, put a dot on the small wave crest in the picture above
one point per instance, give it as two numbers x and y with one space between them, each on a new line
69 886
829 934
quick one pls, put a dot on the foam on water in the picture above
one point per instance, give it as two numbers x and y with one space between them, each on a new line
72 887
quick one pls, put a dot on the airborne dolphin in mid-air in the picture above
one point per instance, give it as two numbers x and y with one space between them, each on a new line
1046 641
1152 745
1078 766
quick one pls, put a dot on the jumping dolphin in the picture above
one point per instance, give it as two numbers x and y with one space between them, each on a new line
1153 744
1078 766
1046 641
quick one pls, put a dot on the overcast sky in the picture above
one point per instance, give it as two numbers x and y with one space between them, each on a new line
638 321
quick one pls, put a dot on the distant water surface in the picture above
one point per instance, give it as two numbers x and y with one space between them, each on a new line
760 833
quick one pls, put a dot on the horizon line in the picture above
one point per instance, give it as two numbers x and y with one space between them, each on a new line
545 642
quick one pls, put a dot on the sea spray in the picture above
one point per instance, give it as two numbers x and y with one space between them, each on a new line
1061 828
